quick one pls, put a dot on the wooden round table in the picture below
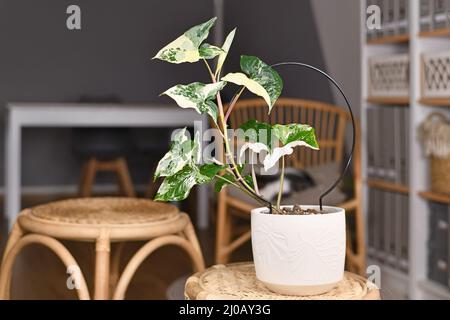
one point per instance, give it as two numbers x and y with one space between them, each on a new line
102 221
238 281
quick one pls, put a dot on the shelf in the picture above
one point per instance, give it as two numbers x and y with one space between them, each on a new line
433 196
435 33
400 101
442 102
403 38
388 186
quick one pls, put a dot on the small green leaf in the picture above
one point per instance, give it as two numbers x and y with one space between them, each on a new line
210 170
252 85
197 96
208 51
185 48
226 48
296 132
265 75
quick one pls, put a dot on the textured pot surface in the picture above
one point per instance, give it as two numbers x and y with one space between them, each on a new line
299 254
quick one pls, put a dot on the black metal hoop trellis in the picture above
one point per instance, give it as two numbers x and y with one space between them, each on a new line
350 156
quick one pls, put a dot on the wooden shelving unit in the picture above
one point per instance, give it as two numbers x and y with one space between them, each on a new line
435 33
435 102
400 101
433 196
404 38
388 186
414 283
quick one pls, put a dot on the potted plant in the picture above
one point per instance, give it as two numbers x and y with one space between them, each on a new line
298 250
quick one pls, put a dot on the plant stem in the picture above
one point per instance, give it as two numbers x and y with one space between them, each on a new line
233 103
248 189
280 192
240 188
213 78
255 181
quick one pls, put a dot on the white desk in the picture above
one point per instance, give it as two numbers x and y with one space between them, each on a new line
54 115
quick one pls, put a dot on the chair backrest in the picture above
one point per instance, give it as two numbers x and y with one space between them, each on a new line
328 120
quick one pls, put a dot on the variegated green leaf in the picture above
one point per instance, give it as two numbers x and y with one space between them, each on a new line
210 170
226 48
288 133
290 136
258 137
200 32
208 51
197 96
182 151
265 75
178 186
186 47
253 86
256 131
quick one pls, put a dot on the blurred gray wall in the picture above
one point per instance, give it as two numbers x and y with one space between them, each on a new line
279 31
338 25
40 60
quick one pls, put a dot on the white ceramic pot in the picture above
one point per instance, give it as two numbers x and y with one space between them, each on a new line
299 254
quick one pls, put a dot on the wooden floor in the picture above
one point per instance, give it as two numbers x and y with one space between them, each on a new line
38 274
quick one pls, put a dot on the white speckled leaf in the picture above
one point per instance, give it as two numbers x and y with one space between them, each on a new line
265 75
272 158
290 135
256 147
181 153
253 86
197 96
185 48
226 48
178 186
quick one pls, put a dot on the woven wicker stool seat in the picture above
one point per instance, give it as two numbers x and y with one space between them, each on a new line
103 221
238 281
99 211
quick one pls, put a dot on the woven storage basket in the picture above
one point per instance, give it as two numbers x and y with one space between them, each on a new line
436 75
435 135
389 76
440 174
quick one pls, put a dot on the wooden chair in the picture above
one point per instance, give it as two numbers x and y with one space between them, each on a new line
330 122
118 166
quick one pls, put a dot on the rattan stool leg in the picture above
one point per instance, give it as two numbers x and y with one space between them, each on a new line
14 237
52 244
102 256
115 265
223 230
148 249
191 236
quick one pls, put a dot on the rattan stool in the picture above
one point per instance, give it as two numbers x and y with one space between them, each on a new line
237 281
103 221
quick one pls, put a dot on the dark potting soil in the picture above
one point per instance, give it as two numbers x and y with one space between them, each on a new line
297 210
